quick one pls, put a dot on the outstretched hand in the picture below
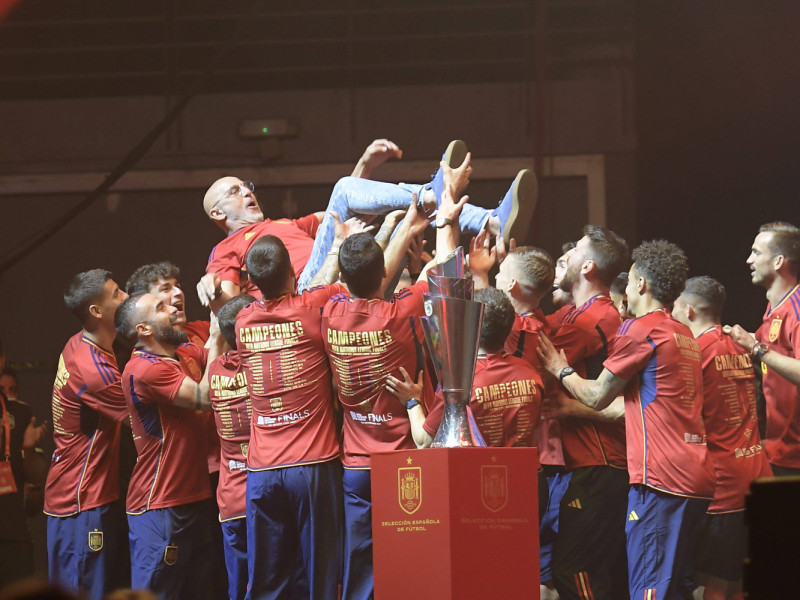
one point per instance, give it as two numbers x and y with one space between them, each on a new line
448 207
457 179
481 258
377 153
407 388
741 336
352 226
500 246
552 360
208 288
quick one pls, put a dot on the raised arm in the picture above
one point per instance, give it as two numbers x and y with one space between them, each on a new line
329 271
192 394
377 153
409 393
414 224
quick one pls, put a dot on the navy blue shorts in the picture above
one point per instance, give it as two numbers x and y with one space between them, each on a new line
557 482
234 543
294 531
171 551
83 550
722 546
661 534
358 578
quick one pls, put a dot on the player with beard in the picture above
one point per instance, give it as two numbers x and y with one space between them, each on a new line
775 265
164 385
729 410
84 524
657 362
163 280
589 554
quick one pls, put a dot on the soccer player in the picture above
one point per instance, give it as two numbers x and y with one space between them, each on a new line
164 385
163 281
775 265
19 445
589 554
368 339
729 410
294 476
657 362
84 524
230 401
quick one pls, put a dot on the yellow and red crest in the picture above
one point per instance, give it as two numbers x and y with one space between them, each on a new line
494 487
775 329
95 540
409 488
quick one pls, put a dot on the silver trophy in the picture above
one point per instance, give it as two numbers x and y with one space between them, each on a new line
452 329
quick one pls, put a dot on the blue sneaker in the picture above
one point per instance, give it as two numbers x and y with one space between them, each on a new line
454 155
516 209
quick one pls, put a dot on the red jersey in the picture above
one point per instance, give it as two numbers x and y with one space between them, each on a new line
227 259
366 341
553 321
729 411
506 400
666 437
781 332
280 345
523 340
585 335
522 343
171 467
88 406
230 402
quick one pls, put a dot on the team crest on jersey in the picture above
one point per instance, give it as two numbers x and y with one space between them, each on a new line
409 488
774 329
95 540
244 447
171 555
194 370
494 487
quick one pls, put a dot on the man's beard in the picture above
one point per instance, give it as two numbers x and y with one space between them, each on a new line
166 334
568 280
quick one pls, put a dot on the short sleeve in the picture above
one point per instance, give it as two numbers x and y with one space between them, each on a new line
309 224
629 356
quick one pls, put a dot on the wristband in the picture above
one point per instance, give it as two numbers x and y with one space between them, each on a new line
411 403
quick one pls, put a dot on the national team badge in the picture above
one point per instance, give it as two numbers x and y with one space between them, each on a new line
171 555
775 329
409 488
494 487
95 540
244 447
194 370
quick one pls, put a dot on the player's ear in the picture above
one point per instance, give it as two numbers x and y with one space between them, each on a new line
143 329
779 260
513 286
588 266
217 215
95 311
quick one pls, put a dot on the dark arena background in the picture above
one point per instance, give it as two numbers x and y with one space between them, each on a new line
659 119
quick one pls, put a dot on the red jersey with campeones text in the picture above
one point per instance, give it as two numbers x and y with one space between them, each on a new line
780 331
666 437
88 407
366 341
729 411
585 334
171 469
506 400
227 259
522 343
279 342
230 402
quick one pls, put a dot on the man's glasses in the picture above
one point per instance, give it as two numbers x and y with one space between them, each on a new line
236 190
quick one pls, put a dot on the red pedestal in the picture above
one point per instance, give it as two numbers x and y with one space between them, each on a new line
455 523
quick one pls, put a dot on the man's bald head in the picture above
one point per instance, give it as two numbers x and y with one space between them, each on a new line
231 204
